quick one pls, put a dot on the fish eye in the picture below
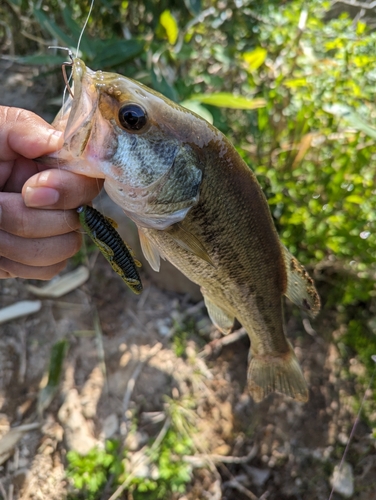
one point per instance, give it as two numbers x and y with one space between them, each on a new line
132 117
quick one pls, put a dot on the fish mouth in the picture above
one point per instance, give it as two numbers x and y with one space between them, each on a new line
75 118
82 106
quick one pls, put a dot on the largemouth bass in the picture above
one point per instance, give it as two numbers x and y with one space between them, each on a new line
197 204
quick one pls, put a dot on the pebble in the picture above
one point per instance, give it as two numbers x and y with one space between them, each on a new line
110 426
258 476
164 327
342 480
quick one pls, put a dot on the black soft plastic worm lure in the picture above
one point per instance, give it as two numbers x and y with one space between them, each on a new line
102 231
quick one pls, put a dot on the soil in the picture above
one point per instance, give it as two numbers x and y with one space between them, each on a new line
114 382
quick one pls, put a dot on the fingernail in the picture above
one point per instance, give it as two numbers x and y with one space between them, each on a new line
40 196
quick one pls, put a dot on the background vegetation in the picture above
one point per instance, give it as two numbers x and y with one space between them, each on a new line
292 85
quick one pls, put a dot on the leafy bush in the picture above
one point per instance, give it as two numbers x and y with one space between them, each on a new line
89 473
155 472
169 473
290 86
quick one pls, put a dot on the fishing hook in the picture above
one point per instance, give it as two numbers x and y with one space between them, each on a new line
67 63
66 81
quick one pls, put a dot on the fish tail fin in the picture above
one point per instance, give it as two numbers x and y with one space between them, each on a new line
267 374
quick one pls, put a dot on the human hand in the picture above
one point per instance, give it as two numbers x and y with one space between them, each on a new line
38 223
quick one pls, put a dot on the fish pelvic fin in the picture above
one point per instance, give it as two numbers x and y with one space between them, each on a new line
300 287
220 318
267 374
150 251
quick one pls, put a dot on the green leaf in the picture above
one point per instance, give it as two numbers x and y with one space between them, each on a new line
75 29
296 82
42 59
228 100
354 198
194 6
255 58
352 117
196 107
115 52
169 23
54 29
160 84
58 352
360 28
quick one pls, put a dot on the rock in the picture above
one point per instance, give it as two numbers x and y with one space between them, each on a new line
77 431
110 426
258 476
342 480
164 327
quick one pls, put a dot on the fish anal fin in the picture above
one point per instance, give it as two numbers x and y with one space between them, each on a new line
267 374
219 317
150 251
300 287
189 242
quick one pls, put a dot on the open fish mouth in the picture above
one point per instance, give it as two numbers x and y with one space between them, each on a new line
76 116
76 119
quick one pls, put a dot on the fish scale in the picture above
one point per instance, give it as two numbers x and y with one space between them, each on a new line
196 203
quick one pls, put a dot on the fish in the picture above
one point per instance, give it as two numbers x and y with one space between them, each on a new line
197 204
102 230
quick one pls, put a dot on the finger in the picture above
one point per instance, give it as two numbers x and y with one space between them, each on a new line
40 251
12 179
60 189
11 269
24 133
19 220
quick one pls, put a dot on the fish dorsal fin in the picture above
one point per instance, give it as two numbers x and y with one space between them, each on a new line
219 317
189 242
300 287
150 251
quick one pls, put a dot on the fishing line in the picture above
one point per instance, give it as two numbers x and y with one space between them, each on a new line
373 357
67 87
84 26
78 47
67 79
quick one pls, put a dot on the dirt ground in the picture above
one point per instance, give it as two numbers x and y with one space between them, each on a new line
276 450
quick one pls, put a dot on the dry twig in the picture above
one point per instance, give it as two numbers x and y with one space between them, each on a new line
136 373
354 3
214 347
236 485
201 460
143 460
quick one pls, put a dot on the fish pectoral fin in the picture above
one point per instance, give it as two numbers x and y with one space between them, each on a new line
300 287
150 251
189 242
270 373
223 320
